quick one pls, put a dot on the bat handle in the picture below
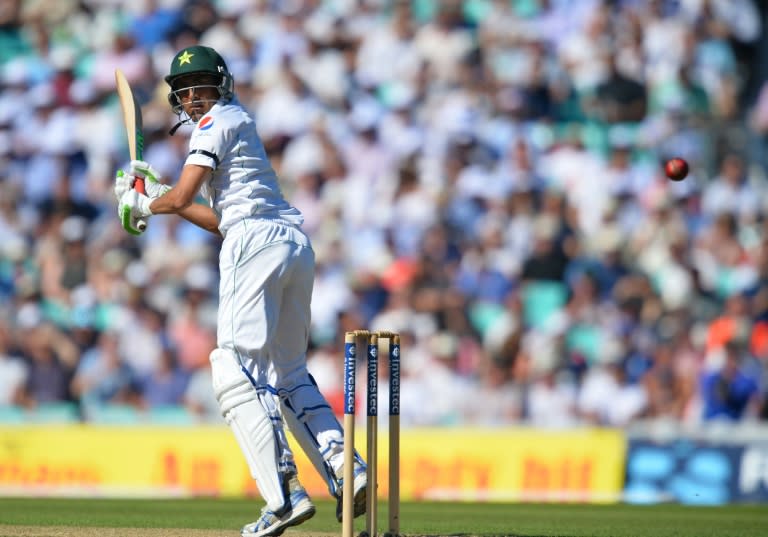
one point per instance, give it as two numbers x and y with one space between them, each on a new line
138 185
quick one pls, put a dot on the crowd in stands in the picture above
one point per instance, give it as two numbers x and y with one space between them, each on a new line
483 176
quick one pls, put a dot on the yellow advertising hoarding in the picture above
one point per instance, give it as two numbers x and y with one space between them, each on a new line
519 464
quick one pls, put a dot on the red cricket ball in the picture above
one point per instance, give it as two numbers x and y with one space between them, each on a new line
676 169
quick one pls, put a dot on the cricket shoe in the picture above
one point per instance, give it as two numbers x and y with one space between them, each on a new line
298 509
360 484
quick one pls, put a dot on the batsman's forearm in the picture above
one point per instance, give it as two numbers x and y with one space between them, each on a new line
202 216
172 202
180 199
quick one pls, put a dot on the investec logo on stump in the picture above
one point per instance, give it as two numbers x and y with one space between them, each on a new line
373 381
349 376
394 379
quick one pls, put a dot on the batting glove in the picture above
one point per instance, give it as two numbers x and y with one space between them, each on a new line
133 207
152 185
123 183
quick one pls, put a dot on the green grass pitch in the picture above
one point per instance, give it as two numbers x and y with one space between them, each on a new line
417 518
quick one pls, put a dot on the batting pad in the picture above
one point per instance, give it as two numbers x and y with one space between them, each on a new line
314 426
243 411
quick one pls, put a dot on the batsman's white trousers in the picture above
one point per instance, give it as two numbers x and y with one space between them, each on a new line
267 273
267 270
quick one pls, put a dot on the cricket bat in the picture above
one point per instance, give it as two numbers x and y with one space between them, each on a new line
134 130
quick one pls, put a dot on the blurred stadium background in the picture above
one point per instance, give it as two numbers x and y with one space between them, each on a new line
484 176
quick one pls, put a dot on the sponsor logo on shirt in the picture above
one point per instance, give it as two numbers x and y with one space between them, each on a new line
205 123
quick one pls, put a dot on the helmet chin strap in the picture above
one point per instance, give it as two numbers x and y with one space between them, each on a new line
188 119
184 121
181 122
176 127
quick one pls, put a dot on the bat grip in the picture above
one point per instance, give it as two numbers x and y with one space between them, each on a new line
138 185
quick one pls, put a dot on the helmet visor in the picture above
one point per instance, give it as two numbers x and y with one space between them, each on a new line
196 91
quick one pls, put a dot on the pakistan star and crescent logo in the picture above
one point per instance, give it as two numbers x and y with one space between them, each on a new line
185 58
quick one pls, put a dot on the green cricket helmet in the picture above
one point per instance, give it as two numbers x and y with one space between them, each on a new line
198 60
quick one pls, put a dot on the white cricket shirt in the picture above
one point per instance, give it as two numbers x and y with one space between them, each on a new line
243 183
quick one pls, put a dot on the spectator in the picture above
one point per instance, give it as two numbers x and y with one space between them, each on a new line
606 398
13 371
730 392
103 378
619 98
192 327
52 360
732 191
166 384
444 41
199 398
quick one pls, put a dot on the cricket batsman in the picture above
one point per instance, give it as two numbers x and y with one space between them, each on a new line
267 269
